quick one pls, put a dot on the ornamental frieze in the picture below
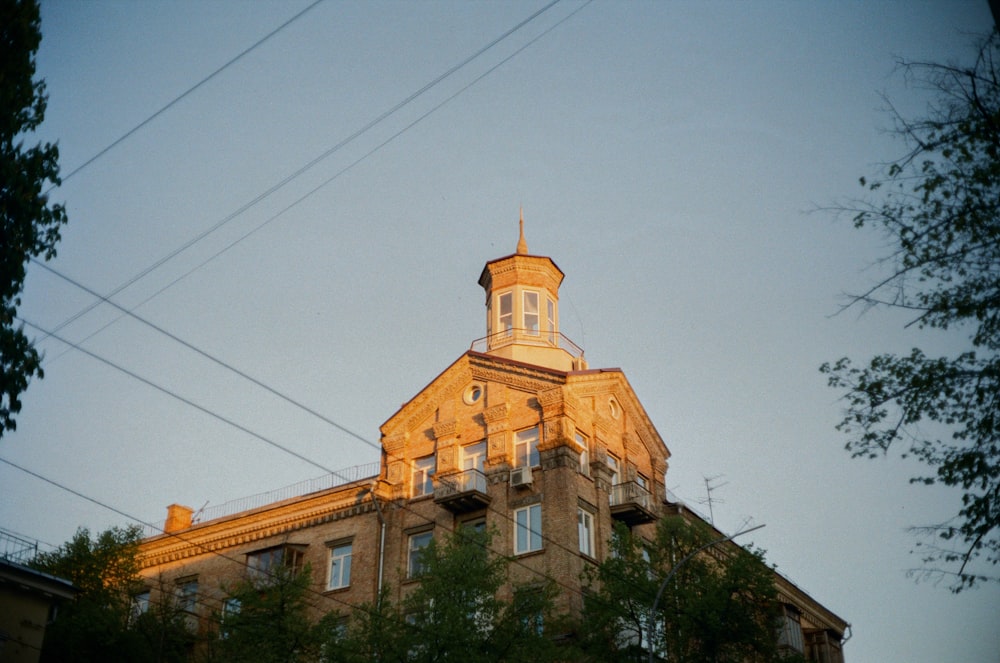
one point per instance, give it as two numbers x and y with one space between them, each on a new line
194 545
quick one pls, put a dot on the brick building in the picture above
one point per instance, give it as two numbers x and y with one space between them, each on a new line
518 434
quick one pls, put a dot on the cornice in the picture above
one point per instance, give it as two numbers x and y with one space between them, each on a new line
251 526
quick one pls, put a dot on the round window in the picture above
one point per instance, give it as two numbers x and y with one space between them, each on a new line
472 394
615 410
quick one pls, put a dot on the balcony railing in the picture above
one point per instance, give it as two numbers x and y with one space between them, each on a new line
462 491
631 503
540 338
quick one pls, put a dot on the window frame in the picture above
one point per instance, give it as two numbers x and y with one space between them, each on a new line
531 457
505 314
530 528
343 562
529 328
425 467
583 443
480 463
187 599
286 555
414 568
550 314
615 464
585 532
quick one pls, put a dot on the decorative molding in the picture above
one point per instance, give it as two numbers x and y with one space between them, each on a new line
395 443
496 414
228 535
445 428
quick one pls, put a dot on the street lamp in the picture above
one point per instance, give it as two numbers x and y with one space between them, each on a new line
663 585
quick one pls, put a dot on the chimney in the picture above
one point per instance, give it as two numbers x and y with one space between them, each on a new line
178 518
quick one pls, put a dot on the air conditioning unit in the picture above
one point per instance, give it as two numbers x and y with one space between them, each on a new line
520 476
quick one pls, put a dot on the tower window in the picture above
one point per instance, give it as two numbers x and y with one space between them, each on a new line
531 312
505 306
550 310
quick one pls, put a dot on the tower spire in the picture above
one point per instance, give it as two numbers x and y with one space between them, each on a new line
522 245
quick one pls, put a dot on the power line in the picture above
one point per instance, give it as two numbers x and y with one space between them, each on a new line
199 351
184 94
246 206
502 515
183 399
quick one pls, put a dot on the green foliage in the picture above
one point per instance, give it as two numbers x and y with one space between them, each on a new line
454 614
720 605
939 207
29 224
271 620
99 624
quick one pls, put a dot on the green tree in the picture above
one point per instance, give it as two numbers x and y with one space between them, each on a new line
720 605
29 224
270 619
456 613
100 624
939 208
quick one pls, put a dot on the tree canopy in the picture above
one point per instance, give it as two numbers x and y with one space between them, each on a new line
455 613
101 623
720 605
29 223
939 208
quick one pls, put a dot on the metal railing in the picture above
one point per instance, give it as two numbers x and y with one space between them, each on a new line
17 549
630 492
542 339
461 482
325 482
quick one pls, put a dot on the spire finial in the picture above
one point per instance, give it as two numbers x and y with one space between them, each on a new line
522 245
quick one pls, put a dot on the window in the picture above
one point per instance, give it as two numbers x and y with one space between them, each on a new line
550 310
790 636
584 446
423 471
531 312
230 609
263 565
416 547
528 529
506 311
526 448
585 531
340 566
187 595
187 601
140 606
476 526
615 472
528 603
641 480
474 456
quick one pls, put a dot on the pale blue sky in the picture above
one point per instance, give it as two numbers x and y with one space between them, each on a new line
666 154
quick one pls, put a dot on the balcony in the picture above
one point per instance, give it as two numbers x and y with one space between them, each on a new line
631 503
462 492
550 339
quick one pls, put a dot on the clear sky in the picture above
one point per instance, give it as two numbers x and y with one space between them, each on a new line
667 156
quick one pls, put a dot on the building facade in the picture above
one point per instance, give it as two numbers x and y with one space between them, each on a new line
518 435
